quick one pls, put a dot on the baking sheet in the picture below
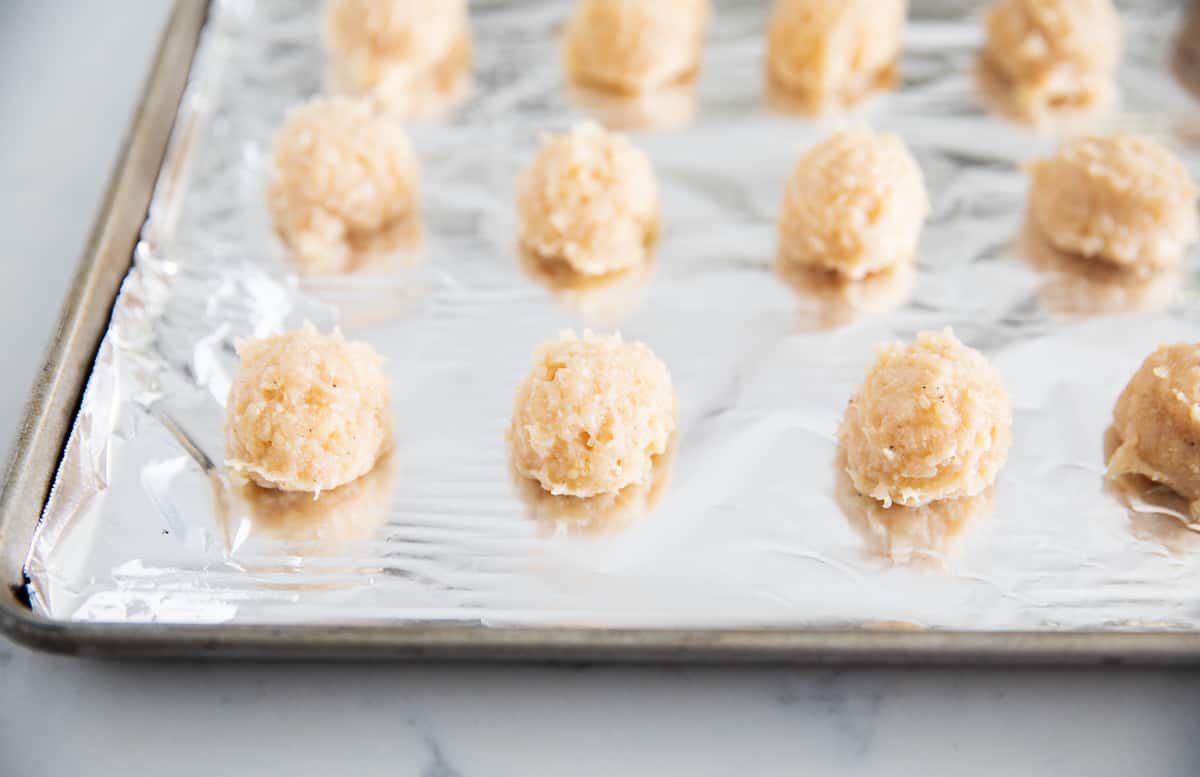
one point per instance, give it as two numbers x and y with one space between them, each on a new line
750 524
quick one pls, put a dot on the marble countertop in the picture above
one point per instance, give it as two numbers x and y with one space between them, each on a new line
69 76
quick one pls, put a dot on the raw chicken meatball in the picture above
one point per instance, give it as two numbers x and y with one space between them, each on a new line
1122 199
341 174
931 421
592 414
307 411
1053 54
589 199
632 46
1157 419
398 50
834 51
855 204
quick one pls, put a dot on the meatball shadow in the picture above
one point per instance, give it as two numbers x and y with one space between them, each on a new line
1077 285
1156 512
830 300
669 108
324 524
599 299
600 515
926 537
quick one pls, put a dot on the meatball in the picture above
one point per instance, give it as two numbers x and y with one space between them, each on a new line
1122 199
931 421
855 204
1157 419
307 411
834 51
589 199
341 175
1053 54
592 415
632 46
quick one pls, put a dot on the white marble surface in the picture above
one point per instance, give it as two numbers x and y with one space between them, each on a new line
69 73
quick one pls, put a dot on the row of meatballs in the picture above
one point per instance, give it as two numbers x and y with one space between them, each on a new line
345 178
930 424
1046 54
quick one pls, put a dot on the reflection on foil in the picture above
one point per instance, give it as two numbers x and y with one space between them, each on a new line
1003 98
324 525
397 295
598 299
158 479
1156 513
830 300
1076 285
928 536
666 109
603 514
1176 537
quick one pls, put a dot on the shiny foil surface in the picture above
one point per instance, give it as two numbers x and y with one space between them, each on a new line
748 521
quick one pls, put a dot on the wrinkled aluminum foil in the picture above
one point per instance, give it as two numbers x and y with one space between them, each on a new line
748 522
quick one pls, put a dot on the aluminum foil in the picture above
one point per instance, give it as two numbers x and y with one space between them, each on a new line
748 521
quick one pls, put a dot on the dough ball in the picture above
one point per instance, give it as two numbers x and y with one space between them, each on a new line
632 46
834 51
307 411
340 175
591 415
1122 199
589 199
1157 419
397 49
1054 54
931 421
855 204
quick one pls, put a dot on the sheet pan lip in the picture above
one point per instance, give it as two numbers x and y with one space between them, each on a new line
55 400
634 646
83 318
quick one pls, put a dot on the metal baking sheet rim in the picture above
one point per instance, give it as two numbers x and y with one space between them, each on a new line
55 401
